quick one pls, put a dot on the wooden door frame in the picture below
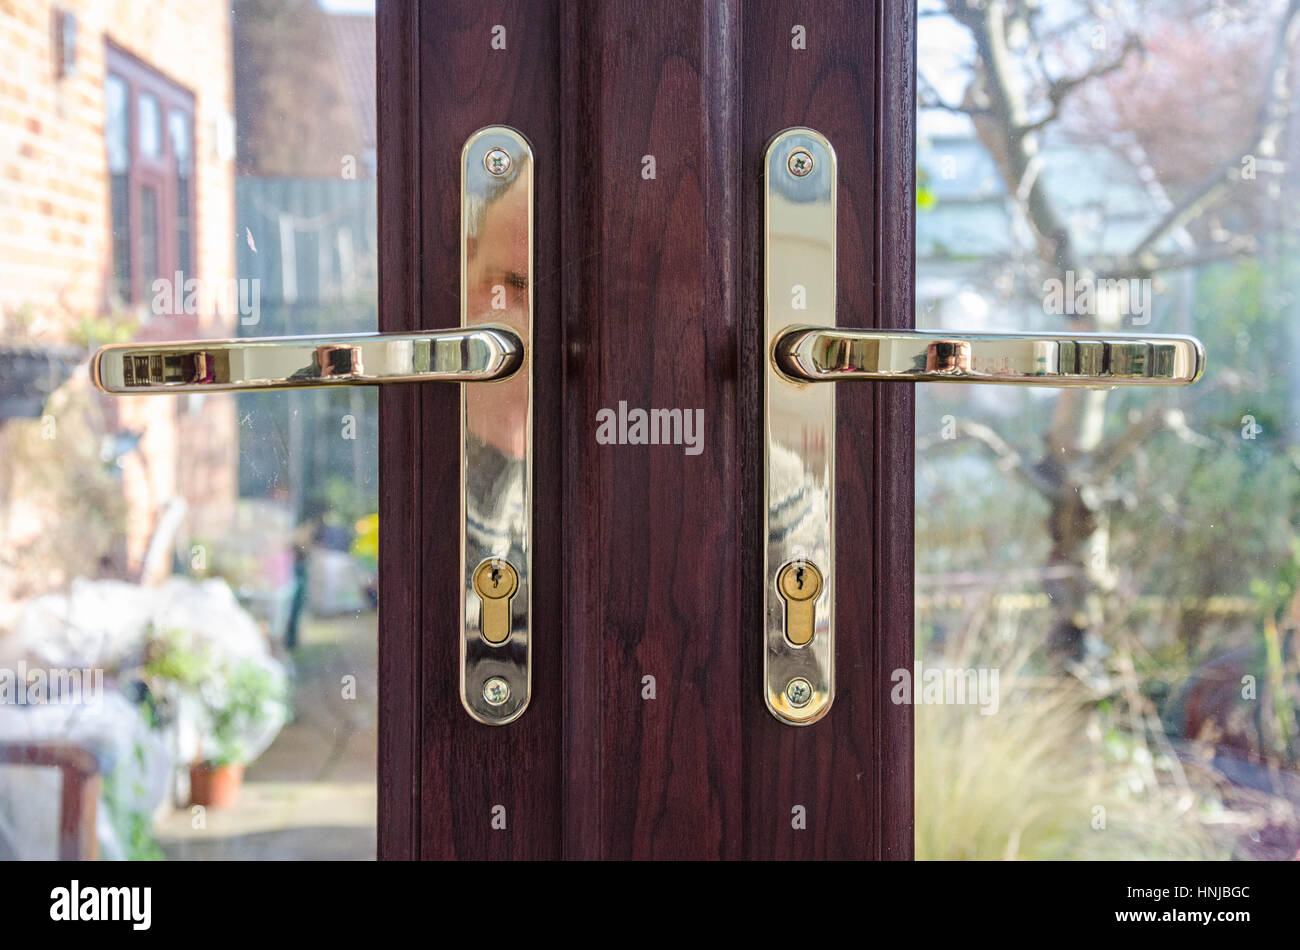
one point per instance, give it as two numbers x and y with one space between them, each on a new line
590 771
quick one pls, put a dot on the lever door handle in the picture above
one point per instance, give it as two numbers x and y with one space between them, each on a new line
481 354
489 349
815 355
806 347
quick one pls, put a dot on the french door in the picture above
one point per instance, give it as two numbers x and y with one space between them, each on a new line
647 734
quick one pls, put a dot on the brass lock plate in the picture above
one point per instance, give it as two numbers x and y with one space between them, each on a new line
799 433
496 471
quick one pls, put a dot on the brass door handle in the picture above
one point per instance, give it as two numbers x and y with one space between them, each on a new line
491 348
806 347
481 354
814 354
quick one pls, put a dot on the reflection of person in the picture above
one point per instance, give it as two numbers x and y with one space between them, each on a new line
337 360
948 356
498 271
494 505
302 540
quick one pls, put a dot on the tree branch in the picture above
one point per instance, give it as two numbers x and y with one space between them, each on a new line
927 97
1268 128
1158 417
1125 267
1060 89
1003 130
1009 458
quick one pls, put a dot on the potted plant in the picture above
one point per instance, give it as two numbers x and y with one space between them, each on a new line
241 702
234 701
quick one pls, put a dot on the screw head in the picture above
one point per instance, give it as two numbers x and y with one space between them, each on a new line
799 691
496 691
800 162
497 162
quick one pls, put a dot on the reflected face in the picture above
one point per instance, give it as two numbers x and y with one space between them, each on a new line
498 269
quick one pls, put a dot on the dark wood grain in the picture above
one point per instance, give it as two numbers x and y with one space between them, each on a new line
651 532
851 771
399 451
894 439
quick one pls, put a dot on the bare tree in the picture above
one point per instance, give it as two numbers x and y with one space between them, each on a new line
1021 84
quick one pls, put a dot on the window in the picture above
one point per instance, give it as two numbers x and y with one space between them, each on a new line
117 131
149 133
180 136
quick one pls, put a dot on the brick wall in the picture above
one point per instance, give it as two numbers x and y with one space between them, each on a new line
54 204
55 247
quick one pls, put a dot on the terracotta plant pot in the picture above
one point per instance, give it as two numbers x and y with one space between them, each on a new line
215 786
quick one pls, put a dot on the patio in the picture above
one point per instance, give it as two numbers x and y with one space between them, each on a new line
311 794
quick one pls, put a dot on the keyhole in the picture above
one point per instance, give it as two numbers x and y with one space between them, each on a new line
495 581
799 582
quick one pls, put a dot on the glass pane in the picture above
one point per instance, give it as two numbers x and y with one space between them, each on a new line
1111 576
188 584
178 131
117 125
150 120
117 135
150 264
